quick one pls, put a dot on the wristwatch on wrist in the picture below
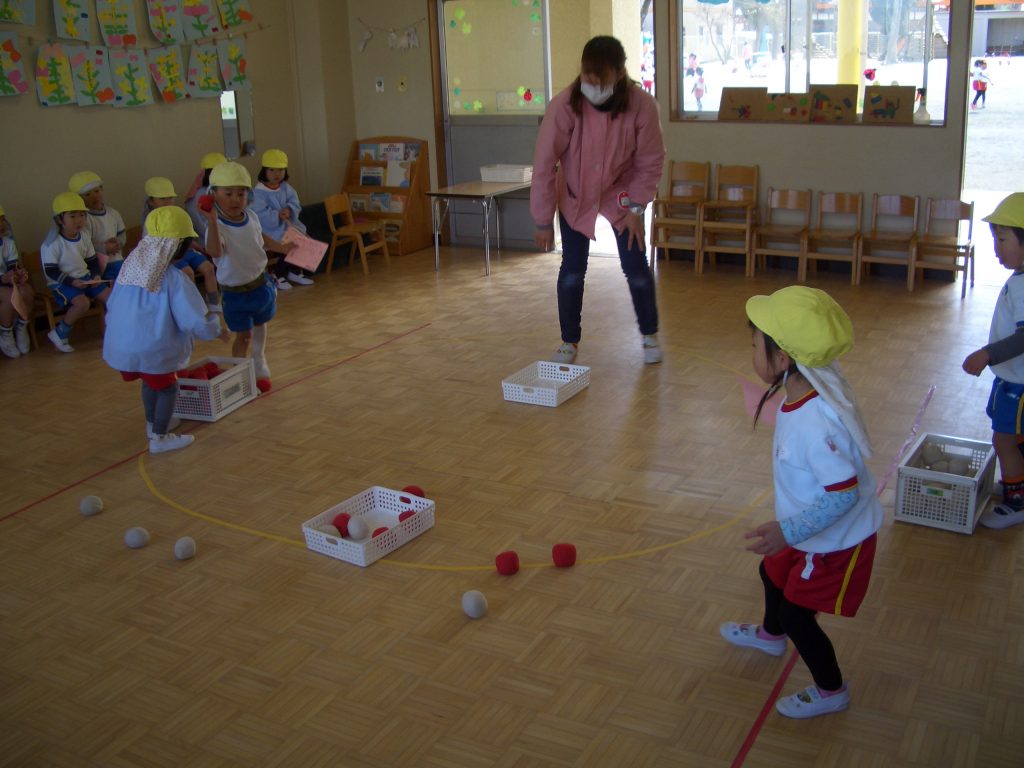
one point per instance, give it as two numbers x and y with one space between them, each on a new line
639 210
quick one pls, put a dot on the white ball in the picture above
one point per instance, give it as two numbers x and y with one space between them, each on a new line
941 466
90 505
931 453
474 604
358 529
960 466
330 530
185 548
136 538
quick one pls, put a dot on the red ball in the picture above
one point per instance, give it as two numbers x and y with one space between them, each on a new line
379 531
205 202
263 385
340 522
415 490
406 515
563 555
507 563
212 370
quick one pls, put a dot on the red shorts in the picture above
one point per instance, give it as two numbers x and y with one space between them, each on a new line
155 381
833 582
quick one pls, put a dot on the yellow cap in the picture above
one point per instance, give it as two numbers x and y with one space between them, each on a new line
275 158
84 181
68 201
158 186
806 323
230 174
170 221
1009 213
212 160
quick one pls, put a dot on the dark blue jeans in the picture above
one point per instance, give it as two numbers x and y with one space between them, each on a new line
573 272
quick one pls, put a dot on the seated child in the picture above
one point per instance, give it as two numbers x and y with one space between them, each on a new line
104 224
71 265
200 187
152 316
277 206
14 340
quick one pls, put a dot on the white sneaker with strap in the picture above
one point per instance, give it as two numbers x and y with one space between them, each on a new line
565 353
169 442
745 636
810 703
652 350
21 337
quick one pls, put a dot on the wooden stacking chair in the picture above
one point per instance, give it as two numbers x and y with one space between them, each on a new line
784 233
676 219
727 221
44 305
836 234
947 242
892 237
351 231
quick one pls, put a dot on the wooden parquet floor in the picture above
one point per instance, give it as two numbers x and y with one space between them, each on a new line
261 653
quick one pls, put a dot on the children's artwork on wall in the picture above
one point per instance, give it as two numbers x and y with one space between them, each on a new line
200 18
742 103
131 77
168 73
53 76
165 19
71 18
889 104
90 71
833 103
234 12
203 72
18 12
117 22
233 64
12 73
788 108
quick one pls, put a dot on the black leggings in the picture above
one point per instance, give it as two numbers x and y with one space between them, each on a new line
979 95
782 617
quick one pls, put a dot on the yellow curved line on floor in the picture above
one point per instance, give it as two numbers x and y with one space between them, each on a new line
453 568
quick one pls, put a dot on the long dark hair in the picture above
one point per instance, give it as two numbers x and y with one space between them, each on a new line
604 55
771 348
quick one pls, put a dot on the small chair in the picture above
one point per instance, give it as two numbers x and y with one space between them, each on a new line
132 235
836 235
787 223
727 221
351 231
44 304
944 244
892 238
676 221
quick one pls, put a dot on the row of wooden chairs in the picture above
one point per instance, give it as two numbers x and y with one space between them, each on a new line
725 219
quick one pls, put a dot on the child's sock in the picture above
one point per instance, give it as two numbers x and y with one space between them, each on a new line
825 694
762 635
6 329
1013 492
63 330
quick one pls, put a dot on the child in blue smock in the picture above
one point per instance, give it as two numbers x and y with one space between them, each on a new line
276 206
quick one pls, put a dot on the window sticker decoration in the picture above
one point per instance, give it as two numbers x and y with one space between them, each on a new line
131 77
53 76
234 12
168 73
18 12
71 18
12 73
165 20
200 18
204 72
90 72
233 64
117 22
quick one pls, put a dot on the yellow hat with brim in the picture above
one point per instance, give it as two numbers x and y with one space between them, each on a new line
158 186
84 181
170 221
1009 213
68 201
230 174
274 158
806 323
212 160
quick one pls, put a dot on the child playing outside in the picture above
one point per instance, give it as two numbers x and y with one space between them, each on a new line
699 88
980 82
201 187
152 316
237 245
277 206
819 551
104 224
14 340
1005 354
72 267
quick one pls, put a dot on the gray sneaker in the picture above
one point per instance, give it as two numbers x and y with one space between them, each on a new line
1001 516
565 353
8 345
169 442
652 350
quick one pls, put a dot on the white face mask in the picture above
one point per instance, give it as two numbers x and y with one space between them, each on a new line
595 94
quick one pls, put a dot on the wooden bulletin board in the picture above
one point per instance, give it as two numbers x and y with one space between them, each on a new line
833 103
787 107
742 103
889 104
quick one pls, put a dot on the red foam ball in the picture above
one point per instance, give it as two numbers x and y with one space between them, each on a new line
198 373
340 522
379 531
415 490
263 385
406 515
507 563
212 370
563 555
205 202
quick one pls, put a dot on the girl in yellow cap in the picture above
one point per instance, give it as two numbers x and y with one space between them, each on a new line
277 207
819 550
14 341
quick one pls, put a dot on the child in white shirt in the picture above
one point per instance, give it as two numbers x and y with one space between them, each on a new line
104 224
14 340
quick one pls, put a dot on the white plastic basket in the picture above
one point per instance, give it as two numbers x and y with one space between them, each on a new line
504 172
544 383
939 499
378 507
202 400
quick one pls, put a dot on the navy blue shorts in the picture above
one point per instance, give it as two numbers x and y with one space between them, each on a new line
63 295
191 259
244 310
112 270
1006 406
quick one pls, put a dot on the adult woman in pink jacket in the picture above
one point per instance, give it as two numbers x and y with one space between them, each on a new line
599 151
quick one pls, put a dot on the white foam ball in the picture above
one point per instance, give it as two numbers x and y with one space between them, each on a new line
960 466
185 548
931 453
90 505
358 529
136 538
330 530
941 466
474 604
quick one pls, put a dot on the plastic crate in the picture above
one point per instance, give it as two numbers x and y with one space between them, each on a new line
945 500
544 383
378 507
202 400
511 173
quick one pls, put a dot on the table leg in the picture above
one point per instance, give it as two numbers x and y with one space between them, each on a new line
487 235
434 214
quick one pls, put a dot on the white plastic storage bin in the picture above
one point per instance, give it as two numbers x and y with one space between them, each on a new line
544 383
511 173
209 400
929 493
378 507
